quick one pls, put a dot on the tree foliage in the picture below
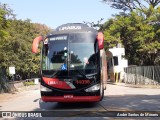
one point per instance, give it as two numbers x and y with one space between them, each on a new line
132 4
139 32
16 38
4 23
96 25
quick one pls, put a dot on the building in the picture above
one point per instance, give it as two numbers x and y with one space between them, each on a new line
116 63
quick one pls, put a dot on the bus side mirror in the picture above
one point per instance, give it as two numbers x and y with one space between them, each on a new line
100 38
35 44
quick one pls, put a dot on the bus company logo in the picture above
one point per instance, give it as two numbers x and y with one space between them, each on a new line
53 82
70 28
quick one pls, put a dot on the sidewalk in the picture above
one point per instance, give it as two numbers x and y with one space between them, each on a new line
5 96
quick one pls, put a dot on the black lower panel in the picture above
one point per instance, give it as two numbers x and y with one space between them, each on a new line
58 93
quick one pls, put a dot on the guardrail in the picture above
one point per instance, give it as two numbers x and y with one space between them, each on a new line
143 75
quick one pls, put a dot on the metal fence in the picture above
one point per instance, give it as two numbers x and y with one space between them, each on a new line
144 75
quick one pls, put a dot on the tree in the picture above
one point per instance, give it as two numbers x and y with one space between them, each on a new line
5 13
140 38
16 48
96 25
132 4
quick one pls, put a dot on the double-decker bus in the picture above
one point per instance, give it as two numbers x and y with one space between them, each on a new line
73 64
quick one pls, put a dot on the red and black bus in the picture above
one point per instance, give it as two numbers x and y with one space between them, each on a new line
73 64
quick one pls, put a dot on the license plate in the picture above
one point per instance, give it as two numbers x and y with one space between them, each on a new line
68 96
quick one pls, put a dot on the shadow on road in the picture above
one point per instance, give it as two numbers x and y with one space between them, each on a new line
132 102
36 100
67 106
103 110
109 103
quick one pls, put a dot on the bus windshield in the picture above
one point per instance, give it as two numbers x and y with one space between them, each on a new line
82 56
70 52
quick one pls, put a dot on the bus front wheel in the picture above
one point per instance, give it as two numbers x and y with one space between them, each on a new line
101 92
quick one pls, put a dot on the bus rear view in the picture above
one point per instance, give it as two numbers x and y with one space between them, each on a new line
73 64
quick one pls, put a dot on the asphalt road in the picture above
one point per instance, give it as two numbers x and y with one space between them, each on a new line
117 98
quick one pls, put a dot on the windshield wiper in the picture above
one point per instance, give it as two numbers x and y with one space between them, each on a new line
92 74
87 76
81 73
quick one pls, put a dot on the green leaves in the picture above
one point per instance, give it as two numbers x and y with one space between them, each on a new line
16 38
3 24
140 39
131 5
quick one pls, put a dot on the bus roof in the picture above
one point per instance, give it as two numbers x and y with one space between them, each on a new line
72 27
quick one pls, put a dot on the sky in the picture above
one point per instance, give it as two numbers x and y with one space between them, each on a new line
54 13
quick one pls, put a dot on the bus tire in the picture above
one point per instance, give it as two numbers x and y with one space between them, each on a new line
101 92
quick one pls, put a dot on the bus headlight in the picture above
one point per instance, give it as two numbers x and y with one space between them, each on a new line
93 88
45 89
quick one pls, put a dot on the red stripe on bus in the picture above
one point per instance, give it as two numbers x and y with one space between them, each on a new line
56 83
73 99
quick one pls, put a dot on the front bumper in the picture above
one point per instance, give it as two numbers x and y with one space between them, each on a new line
71 99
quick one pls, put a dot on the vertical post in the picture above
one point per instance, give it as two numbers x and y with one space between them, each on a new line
153 74
126 75
116 77
135 75
144 70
